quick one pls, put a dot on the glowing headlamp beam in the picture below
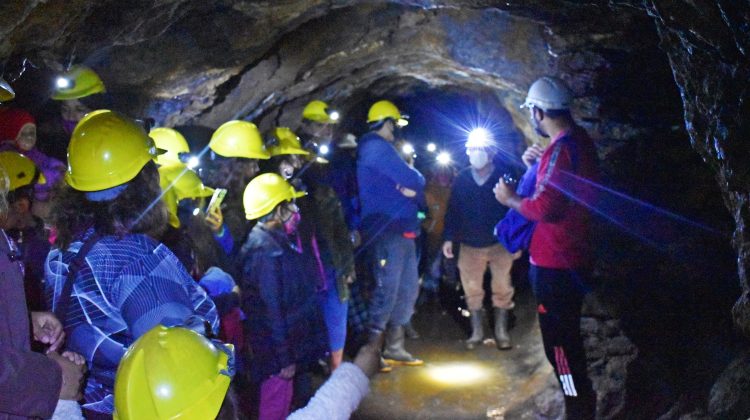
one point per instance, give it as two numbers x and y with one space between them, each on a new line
443 158
407 148
479 137
458 374
63 83
193 162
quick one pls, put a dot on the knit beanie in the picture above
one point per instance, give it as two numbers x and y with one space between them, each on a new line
11 122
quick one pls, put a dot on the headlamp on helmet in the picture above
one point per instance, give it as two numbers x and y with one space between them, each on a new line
479 138
319 112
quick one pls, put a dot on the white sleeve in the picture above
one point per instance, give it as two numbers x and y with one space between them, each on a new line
338 397
67 410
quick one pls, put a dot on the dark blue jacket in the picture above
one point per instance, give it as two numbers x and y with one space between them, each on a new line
473 211
284 325
380 170
343 180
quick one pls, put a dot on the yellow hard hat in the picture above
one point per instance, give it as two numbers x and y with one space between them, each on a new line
178 182
78 82
169 197
381 110
318 111
183 181
20 170
107 149
173 142
172 373
238 138
264 192
6 92
287 143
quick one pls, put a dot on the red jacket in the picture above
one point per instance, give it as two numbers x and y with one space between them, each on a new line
563 192
29 382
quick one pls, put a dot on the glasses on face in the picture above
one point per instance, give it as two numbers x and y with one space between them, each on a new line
292 206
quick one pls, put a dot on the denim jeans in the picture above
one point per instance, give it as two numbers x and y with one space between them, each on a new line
393 260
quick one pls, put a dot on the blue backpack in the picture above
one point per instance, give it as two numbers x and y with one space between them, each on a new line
515 231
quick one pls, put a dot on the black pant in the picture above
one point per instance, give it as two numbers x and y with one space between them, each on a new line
559 295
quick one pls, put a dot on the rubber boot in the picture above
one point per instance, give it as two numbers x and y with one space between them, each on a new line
394 352
502 339
410 332
477 329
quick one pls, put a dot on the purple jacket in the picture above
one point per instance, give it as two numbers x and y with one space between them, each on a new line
29 382
52 169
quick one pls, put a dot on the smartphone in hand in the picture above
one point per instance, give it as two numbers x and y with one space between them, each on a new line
216 199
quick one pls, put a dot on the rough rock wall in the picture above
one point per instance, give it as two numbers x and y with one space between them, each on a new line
707 43
203 62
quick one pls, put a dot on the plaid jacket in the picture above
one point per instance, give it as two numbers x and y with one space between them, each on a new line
127 286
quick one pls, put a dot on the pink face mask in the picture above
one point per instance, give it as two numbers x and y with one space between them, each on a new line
68 126
290 225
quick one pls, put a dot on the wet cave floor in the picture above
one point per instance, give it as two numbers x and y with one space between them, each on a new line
456 383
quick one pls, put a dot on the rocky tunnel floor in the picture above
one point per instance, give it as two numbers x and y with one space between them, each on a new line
456 383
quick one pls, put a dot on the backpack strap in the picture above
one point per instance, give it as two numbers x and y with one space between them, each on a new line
78 262
553 162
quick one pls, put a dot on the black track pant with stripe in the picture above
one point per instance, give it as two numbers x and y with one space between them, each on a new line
559 295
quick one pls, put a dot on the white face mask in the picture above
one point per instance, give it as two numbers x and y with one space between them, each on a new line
478 159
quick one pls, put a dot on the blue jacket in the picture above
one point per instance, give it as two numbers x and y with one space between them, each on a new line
473 210
380 170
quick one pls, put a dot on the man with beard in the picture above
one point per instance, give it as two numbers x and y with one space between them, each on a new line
560 251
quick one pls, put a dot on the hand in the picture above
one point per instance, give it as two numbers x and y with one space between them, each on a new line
288 372
47 329
74 357
406 192
532 154
503 193
215 219
368 357
72 376
448 249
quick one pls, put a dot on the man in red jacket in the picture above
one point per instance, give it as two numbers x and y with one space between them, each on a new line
560 249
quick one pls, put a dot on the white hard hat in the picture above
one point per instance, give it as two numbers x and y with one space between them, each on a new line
549 93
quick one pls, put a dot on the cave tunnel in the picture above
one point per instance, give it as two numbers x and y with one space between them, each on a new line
660 86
